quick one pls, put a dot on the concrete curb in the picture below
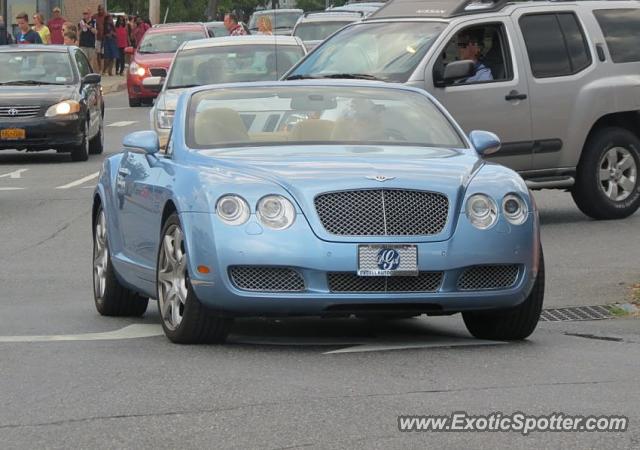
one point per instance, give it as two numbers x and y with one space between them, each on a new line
114 87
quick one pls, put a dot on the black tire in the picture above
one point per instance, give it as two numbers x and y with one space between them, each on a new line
116 300
513 324
134 102
96 145
589 192
81 152
199 325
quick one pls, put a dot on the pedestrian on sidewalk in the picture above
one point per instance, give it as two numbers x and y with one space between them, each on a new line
70 38
87 36
55 26
5 36
110 46
26 35
232 25
141 29
100 21
122 39
40 28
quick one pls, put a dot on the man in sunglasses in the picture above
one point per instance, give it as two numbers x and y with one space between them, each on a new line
470 44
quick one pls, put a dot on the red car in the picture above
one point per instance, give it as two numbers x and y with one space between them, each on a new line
154 55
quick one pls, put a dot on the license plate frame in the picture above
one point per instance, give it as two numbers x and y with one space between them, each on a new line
13 134
369 263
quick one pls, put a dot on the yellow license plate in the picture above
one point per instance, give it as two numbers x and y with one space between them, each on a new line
13 134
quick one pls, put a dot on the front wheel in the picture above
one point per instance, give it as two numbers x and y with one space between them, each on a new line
96 145
607 175
81 152
184 319
513 324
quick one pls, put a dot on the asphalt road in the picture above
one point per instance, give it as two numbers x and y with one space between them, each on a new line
292 383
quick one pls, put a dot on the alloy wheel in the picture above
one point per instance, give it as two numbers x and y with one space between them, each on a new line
172 277
100 256
617 174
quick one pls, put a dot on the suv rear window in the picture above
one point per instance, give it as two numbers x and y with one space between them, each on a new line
621 29
555 43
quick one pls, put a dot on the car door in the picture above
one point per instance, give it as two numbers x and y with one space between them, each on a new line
500 105
559 63
139 207
90 93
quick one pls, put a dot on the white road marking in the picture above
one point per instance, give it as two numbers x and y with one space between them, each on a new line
80 181
432 343
14 174
124 123
10 189
129 332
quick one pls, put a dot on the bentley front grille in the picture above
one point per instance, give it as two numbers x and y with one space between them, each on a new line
383 212
351 282
488 277
266 279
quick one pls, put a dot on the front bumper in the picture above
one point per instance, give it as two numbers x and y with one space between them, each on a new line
136 90
44 133
299 248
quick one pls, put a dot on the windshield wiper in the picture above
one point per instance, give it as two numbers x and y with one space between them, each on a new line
301 77
25 83
352 76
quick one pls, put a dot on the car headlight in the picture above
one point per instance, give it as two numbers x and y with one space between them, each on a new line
482 211
514 209
164 118
135 69
233 209
63 108
276 212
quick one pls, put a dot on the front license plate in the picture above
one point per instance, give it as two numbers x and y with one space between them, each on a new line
13 134
387 260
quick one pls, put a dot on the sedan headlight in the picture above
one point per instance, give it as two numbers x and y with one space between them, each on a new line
233 209
135 69
275 211
164 118
515 209
63 108
482 211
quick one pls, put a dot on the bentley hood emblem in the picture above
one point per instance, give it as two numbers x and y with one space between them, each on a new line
380 178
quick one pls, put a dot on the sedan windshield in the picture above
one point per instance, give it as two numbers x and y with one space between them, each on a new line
278 115
389 51
167 42
33 68
318 31
232 63
280 20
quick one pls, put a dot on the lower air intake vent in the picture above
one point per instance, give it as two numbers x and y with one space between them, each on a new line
488 277
266 279
351 282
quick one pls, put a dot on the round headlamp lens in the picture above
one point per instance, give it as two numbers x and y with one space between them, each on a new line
233 210
515 209
276 212
482 211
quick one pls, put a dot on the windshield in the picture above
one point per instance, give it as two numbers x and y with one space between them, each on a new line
232 63
291 115
27 67
389 51
281 19
167 42
218 30
318 31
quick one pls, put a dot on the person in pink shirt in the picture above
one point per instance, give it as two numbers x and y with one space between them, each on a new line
55 27
141 29
122 39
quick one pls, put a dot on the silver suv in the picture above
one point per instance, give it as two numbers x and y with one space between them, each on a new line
559 82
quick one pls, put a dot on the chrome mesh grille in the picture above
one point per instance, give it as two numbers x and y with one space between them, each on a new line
158 72
19 111
351 282
266 279
382 212
488 277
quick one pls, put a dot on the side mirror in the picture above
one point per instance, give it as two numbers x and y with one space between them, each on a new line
92 78
129 50
454 71
153 83
485 142
142 141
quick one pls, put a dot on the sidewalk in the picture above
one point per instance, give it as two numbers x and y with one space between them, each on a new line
113 84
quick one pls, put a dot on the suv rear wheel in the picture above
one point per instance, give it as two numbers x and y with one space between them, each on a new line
607 176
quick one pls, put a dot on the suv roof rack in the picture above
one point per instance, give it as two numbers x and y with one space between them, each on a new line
344 12
437 8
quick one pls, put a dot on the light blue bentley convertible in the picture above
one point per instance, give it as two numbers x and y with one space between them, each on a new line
317 197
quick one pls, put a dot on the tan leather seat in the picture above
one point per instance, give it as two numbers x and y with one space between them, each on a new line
312 130
218 126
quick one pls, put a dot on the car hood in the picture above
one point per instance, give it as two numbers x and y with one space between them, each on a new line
168 99
309 171
35 95
154 59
